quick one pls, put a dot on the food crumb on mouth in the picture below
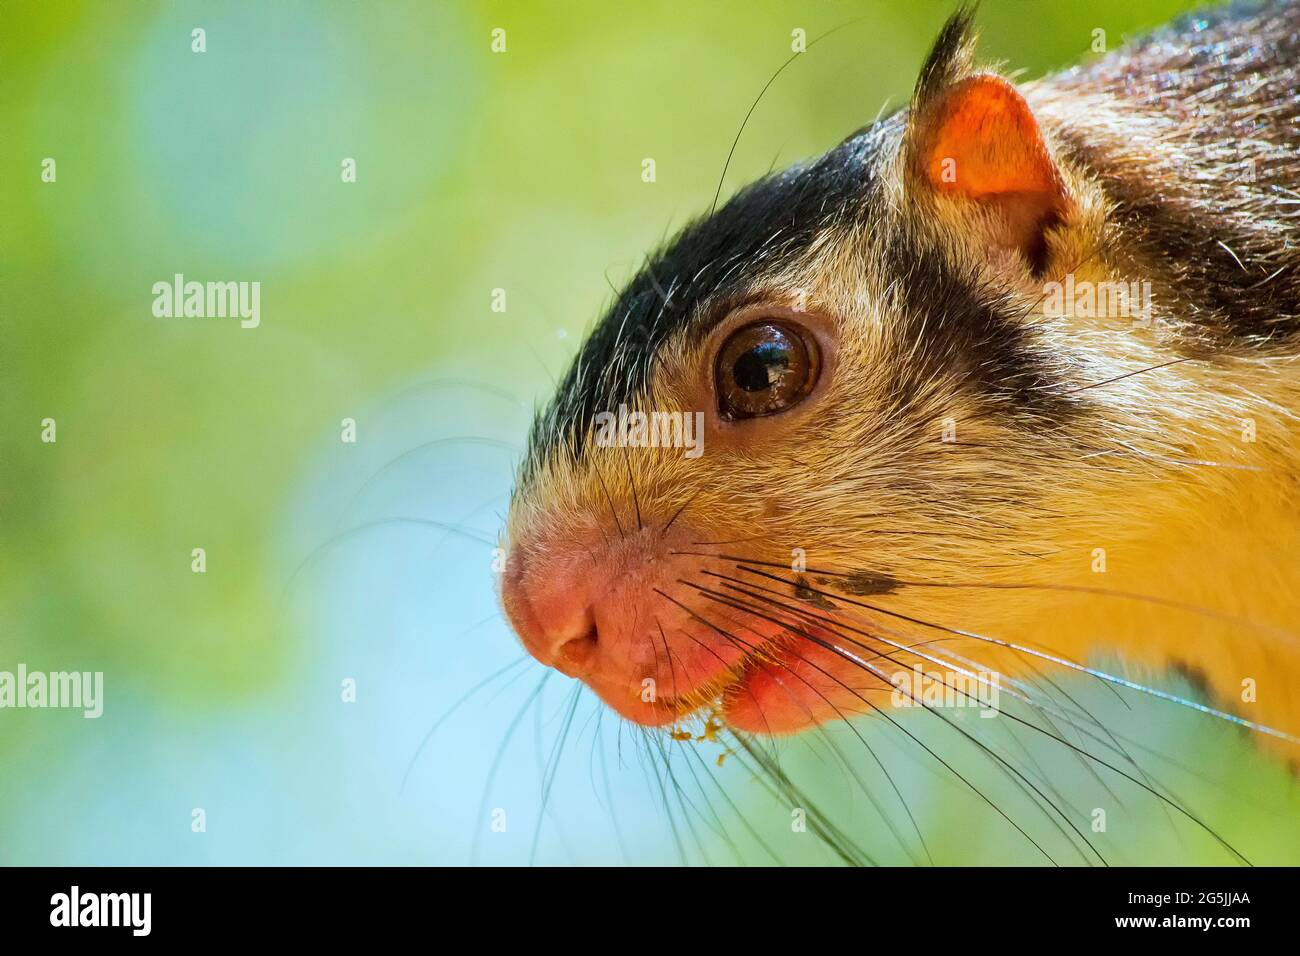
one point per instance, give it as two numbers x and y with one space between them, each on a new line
711 728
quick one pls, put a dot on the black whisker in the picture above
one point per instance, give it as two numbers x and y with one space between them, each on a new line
878 710
636 502
677 513
613 512
870 704
1182 810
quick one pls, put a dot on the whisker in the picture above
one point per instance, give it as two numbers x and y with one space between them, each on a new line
878 710
688 805
636 502
870 796
552 768
753 106
1052 658
1120 378
778 783
1182 810
446 715
875 708
613 512
609 790
677 513
1208 613
1037 706
454 440
744 820
496 762
663 794
344 536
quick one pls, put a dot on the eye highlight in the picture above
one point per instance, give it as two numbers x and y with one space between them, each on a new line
764 368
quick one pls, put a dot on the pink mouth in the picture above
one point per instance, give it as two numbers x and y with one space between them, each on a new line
801 684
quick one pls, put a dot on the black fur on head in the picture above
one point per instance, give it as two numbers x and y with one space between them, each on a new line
950 59
690 281
693 281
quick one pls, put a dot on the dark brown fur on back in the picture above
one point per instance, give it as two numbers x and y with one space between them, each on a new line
1202 167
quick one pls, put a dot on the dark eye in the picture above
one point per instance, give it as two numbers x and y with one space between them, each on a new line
765 368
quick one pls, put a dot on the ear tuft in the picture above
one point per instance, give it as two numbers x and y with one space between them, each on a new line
949 60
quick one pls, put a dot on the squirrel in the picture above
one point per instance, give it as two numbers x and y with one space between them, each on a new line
1006 382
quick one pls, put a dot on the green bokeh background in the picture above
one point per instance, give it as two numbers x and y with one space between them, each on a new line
476 171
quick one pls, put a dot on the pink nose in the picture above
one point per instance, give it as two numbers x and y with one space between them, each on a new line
551 613
614 613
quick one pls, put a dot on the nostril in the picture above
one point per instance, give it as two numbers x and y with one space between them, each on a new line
551 614
575 655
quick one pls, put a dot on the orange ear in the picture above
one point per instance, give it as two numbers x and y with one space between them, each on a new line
980 142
